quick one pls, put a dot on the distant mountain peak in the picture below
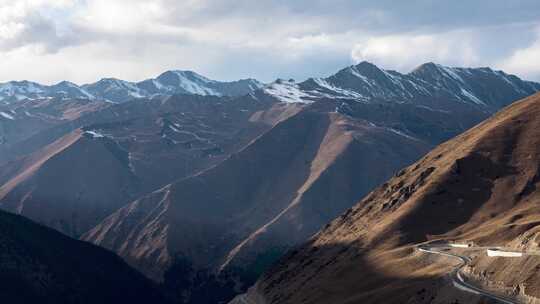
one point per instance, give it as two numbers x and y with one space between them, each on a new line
428 66
112 80
436 68
366 66
180 75
363 70
66 83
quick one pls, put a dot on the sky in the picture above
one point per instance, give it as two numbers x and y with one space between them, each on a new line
86 40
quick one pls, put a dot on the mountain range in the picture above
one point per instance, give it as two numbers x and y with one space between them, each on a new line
362 82
366 82
202 187
117 90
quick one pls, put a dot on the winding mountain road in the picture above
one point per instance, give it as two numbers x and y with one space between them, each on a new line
457 277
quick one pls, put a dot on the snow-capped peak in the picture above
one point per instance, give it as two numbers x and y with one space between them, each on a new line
188 75
186 82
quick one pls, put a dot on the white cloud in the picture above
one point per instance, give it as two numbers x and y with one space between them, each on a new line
84 40
119 16
404 52
25 22
524 61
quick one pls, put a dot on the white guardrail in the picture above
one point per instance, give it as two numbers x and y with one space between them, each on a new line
503 253
460 245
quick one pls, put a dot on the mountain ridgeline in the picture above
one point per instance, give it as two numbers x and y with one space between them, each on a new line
429 84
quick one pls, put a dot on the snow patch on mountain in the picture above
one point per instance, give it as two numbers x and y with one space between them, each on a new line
6 115
400 133
193 83
354 71
94 134
431 109
331 90
452 72
287 91
471 97
174 128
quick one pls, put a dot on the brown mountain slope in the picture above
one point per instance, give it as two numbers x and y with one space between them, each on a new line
14 172
26 118
70 185
480 186
244 213
127 150
187 133
40 265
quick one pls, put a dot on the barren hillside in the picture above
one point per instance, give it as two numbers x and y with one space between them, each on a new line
480 187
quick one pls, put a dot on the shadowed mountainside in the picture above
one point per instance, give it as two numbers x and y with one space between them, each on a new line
240 216
40 265
106 159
